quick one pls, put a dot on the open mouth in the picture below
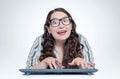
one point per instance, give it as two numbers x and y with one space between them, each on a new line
62 32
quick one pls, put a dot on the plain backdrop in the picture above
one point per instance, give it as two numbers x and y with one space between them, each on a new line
21 21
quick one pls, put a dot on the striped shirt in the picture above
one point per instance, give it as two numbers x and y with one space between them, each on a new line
35 52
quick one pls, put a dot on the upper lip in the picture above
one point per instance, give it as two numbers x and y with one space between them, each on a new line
61 31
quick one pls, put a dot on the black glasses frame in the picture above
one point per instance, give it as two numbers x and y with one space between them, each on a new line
61 21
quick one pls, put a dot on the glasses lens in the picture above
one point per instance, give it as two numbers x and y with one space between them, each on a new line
55 22
66 21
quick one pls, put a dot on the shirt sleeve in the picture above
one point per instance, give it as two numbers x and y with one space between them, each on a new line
87 51
33 57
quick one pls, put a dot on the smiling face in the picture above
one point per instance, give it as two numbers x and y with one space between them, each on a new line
60 26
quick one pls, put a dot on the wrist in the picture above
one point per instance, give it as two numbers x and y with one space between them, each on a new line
40 65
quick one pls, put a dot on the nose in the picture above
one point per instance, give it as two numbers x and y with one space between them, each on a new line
61 25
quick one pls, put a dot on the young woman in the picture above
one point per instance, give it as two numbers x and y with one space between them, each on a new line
60 46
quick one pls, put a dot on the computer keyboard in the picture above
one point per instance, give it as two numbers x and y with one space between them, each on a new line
58 71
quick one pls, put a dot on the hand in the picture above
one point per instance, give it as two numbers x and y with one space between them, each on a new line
81 63
53 63
41 65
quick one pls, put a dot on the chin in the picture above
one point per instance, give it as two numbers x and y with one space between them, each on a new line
63 37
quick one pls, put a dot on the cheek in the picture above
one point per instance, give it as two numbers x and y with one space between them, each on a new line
69 27
52 30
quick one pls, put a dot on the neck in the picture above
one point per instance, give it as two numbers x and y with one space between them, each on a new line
59 43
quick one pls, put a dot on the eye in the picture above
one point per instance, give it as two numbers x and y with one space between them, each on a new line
66 20
54 21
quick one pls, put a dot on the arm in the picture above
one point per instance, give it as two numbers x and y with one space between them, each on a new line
87 51
33 57
87 61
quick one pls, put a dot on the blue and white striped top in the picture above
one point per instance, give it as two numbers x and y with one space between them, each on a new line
34 54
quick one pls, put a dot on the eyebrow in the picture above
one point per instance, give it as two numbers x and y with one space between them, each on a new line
59 18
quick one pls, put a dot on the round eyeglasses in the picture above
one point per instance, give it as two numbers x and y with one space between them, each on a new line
56 22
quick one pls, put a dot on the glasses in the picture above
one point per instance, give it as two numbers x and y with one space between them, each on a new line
56 22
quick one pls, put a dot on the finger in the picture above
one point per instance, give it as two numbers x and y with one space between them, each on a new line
71 63
86 65
82 66
54 64
90 64
78 63
62 67
59 64
90 67
50 65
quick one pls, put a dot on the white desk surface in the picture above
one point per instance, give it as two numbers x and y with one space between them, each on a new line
101 74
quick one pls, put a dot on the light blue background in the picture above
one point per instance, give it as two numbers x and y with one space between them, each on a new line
21 21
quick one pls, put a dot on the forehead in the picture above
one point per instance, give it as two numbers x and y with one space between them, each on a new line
58 15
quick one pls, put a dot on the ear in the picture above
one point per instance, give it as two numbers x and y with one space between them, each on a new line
48 28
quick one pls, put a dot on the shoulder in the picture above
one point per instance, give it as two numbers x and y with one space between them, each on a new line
38 38
37 41
82 38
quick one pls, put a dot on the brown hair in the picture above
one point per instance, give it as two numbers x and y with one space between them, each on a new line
72 46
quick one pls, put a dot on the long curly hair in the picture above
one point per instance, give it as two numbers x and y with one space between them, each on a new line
72 47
